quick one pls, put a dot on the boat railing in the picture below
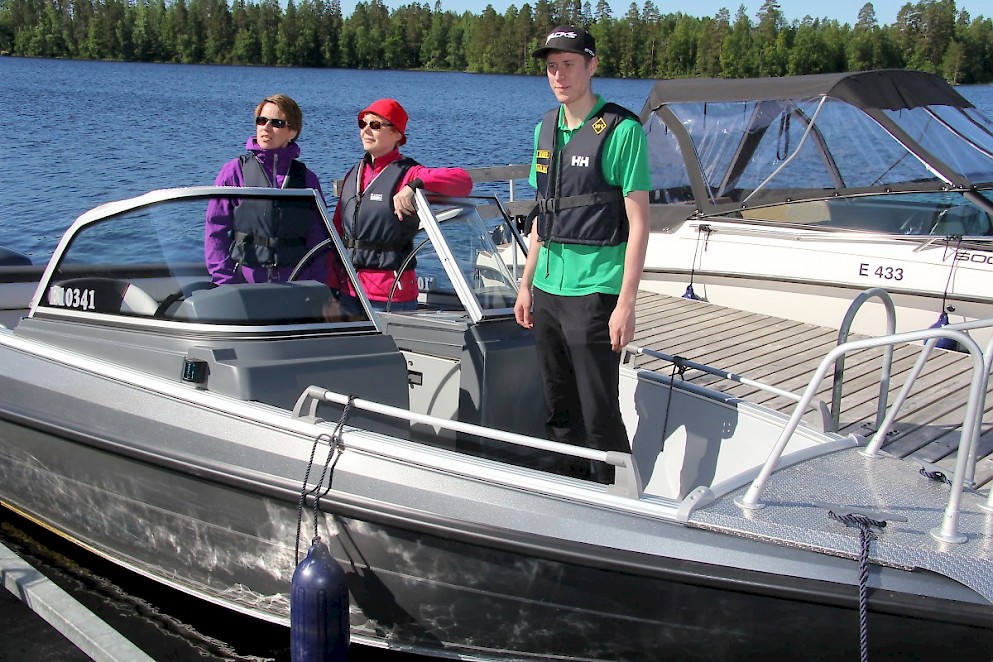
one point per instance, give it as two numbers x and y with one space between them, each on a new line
839 366
680 363
965 461
882 430
508 174
627 480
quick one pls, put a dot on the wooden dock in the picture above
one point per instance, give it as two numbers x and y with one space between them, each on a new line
785 354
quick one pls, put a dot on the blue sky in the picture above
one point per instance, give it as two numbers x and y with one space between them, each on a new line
845 11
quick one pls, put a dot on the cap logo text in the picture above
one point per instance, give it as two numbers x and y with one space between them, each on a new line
556 35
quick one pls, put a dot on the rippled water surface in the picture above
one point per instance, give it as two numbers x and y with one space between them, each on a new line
83 133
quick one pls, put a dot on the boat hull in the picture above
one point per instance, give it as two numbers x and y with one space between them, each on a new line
813 277
426 583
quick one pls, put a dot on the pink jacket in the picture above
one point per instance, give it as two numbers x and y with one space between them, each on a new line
377 284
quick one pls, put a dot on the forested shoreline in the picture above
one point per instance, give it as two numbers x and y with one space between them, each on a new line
930 35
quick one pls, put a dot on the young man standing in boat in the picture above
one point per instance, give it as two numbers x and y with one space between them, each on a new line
587 249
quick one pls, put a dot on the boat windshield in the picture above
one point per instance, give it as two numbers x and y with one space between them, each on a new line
459 253
143 259
781 145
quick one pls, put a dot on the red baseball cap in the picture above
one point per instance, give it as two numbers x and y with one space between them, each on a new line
391 111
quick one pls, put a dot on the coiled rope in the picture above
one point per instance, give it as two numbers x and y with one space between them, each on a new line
334 452
865 525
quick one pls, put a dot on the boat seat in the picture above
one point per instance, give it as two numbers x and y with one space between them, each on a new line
107 295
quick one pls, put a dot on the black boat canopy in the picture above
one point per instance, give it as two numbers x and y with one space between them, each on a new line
884 89
724 146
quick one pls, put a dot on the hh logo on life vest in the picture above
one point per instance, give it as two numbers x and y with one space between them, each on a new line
581 161
599 126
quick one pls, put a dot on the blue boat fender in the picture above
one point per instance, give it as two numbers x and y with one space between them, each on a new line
319 608
944 343
690 294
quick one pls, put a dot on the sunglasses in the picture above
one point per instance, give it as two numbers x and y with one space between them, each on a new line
262 120
375 125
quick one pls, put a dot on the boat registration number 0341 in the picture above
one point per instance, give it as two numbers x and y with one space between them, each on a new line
71 297
883 272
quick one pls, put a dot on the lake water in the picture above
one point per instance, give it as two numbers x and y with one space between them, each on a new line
83 133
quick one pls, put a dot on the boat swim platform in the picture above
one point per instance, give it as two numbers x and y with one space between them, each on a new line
785 354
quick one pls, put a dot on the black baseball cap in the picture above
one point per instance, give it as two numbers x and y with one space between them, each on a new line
568 39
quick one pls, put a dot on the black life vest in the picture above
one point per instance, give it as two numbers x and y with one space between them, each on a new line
575 204
270 233
371 232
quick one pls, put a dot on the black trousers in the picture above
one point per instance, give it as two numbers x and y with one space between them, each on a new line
579 372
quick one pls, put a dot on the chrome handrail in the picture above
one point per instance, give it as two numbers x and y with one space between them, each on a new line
627 480
817 405
839 366
948 530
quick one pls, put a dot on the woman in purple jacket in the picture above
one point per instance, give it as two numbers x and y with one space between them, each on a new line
257 241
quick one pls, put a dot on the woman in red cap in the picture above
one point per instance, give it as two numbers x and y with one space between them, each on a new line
375 215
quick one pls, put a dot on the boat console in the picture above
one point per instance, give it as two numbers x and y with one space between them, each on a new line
128 287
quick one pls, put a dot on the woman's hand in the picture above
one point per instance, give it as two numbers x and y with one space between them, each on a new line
403 202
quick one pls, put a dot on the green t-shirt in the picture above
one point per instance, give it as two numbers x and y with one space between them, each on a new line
578 269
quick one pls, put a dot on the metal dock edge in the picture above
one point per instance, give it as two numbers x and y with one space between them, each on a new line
79 625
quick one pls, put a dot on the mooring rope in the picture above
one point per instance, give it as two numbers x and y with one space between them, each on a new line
865 525
334 452
701 229
678 368
951 266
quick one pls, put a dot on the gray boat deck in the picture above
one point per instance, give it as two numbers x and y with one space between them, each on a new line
785 354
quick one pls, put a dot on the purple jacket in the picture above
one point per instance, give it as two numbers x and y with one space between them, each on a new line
220 222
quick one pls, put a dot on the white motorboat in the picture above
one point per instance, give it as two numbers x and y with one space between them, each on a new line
184 431
789 196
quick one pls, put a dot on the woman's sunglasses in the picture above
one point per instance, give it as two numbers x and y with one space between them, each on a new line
262 120
375 125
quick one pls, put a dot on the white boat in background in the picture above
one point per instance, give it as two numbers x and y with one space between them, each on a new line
790 196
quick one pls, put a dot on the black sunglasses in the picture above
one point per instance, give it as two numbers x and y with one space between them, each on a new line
262 120
375 125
